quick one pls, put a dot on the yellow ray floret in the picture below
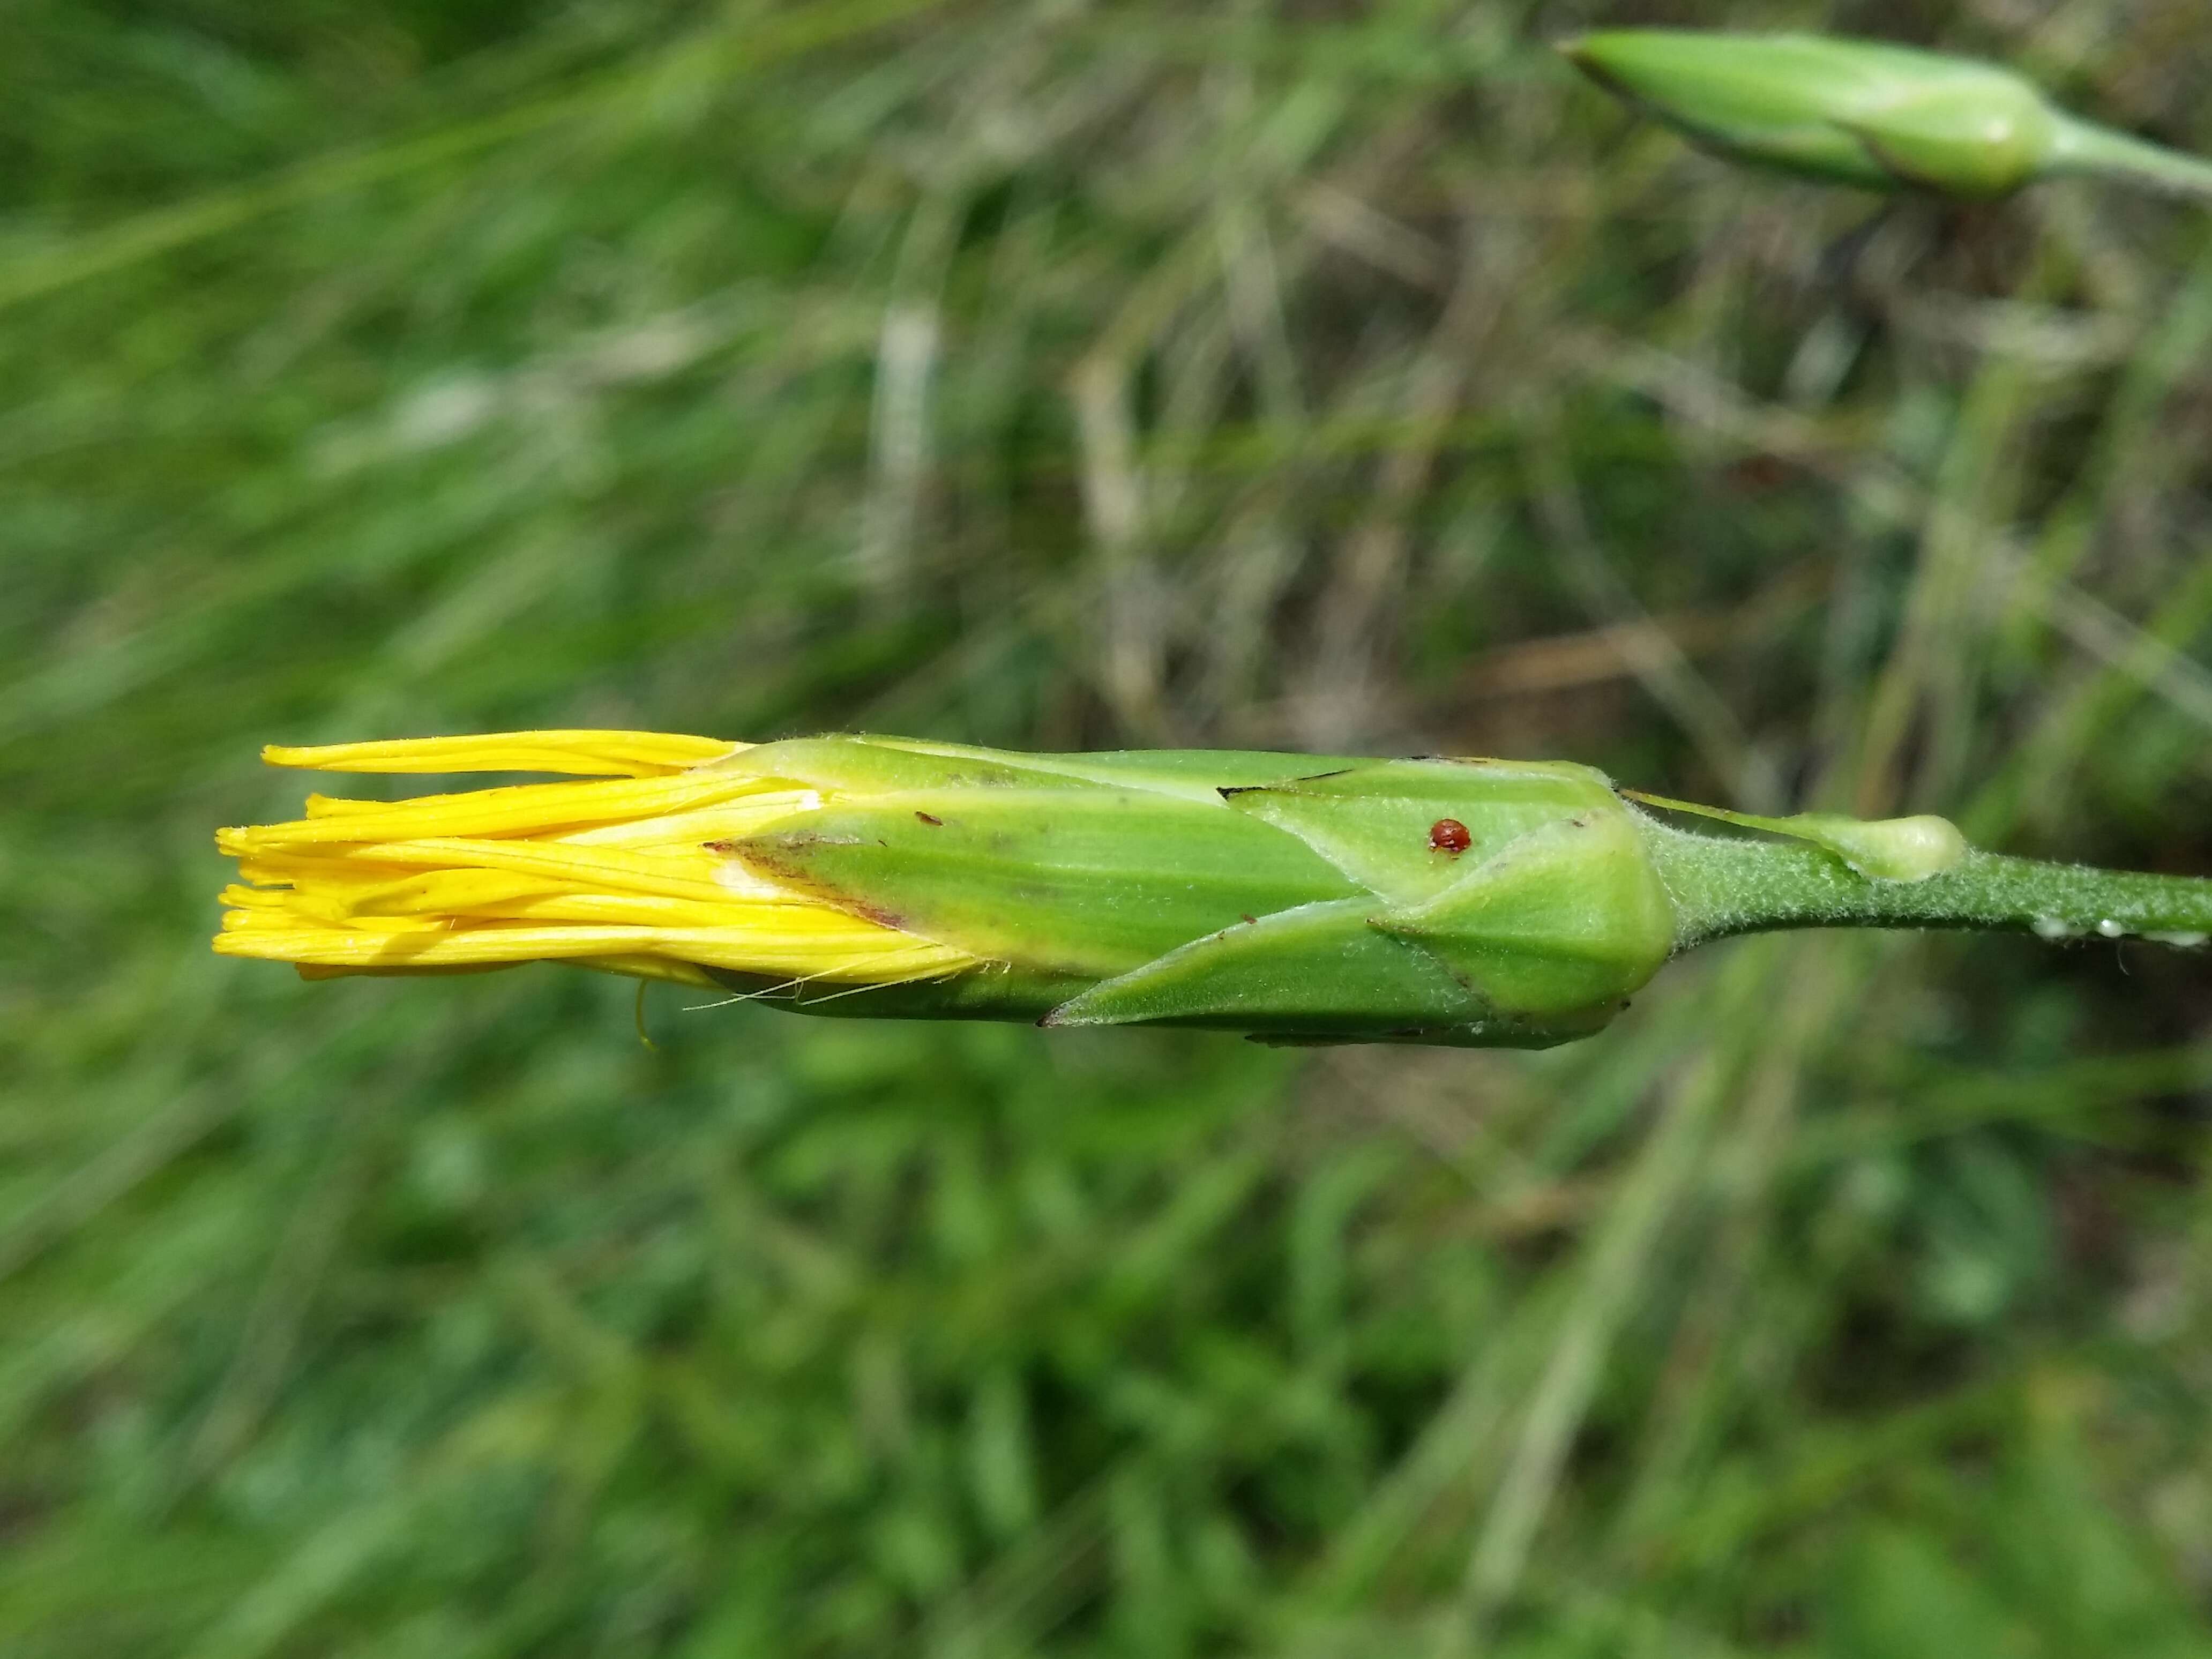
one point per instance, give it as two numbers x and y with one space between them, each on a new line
587 754
624 873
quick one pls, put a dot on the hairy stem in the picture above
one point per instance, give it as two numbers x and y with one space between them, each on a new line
1722 886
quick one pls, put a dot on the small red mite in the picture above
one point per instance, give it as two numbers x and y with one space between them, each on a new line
1449 836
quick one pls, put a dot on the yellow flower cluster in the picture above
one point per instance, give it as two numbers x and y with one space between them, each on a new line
623 872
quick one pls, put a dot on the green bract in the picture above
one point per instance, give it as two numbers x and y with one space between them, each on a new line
1290 897
1865 113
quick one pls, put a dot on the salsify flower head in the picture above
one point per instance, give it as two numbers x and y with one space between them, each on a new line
1298 898
1294 898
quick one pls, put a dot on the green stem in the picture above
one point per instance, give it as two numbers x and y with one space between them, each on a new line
1724 886
2084 147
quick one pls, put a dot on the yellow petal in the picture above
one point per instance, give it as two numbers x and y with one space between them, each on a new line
516 810
609 754
623 873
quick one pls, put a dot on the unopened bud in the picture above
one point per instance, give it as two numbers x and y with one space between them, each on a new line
1866 113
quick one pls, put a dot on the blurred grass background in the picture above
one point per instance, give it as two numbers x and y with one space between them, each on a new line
1057 374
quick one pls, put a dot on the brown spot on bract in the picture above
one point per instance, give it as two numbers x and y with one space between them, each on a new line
933 823
1449 836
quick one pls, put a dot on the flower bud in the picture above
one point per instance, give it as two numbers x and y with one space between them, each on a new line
1288 897
1865 113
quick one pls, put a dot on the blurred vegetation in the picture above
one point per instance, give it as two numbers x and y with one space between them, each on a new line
1059 374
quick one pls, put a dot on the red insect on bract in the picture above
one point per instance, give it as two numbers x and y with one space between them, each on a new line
1449 836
